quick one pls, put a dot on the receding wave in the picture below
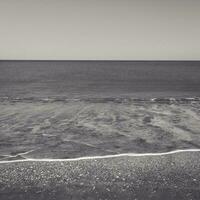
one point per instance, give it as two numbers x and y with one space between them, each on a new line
102 99
45 128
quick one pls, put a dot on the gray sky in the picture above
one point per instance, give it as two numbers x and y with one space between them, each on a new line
103 29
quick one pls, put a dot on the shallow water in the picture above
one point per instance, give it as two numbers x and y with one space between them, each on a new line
91 127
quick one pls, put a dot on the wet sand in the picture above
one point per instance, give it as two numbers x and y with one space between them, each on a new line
167 177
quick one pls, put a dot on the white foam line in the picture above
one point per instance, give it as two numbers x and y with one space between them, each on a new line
19 154
102 157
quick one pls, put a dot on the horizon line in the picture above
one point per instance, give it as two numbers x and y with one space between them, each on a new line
102 60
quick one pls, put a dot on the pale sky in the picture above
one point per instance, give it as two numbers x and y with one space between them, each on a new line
103 29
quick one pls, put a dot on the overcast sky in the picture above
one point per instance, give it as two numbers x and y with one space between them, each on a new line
103 29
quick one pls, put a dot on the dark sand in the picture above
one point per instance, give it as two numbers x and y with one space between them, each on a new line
166 177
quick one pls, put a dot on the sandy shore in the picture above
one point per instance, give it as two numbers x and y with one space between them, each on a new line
173 176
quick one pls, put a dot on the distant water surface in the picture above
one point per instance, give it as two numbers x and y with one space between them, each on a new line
99 78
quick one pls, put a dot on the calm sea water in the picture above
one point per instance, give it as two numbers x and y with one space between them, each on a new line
99 79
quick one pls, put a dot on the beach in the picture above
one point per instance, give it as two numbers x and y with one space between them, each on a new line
174 176
99 130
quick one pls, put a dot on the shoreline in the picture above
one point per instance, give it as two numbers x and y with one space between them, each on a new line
102 157
173 176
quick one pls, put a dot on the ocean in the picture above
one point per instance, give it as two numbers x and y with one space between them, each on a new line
78 79
71 109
